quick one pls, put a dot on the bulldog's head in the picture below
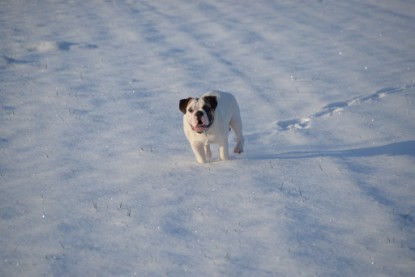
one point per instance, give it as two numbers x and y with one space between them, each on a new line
199 112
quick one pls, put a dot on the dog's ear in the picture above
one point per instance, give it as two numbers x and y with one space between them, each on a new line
183 104
212 101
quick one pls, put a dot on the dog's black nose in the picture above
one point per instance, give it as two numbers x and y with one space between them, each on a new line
199 114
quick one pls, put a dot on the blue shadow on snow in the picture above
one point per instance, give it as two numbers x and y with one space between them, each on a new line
403 148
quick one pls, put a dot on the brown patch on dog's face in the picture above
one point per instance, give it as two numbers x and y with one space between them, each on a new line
183 104
211 101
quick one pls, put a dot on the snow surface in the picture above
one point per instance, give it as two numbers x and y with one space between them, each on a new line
97 178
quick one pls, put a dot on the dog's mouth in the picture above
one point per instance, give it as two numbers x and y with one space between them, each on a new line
200 128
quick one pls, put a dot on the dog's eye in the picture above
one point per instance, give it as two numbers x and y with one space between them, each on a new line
190 110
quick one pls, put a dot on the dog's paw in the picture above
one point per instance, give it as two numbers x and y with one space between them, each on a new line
238 150
239 147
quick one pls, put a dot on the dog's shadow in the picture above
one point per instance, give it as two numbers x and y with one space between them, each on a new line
403 148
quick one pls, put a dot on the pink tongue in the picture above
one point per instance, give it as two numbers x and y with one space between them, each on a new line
199 128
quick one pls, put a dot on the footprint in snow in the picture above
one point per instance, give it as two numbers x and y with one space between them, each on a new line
305 123
296 124
46 46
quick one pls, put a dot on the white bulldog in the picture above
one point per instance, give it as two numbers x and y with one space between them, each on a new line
207 120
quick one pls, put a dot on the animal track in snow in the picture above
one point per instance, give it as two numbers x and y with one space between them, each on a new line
298 124
45 46
305 123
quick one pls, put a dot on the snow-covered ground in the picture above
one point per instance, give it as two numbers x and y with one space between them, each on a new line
97 178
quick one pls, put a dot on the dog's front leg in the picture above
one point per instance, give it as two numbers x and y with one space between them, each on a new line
199 151
223 150
208 152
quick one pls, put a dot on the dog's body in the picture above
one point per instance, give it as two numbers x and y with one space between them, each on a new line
207 121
